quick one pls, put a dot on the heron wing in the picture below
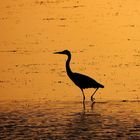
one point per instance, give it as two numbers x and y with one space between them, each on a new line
84 81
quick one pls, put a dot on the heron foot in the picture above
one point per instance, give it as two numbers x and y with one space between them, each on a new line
92 99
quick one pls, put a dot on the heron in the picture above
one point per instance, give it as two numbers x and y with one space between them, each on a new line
82 81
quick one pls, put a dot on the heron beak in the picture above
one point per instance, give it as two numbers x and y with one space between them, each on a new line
58 52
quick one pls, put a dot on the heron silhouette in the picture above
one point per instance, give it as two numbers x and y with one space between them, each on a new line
82 81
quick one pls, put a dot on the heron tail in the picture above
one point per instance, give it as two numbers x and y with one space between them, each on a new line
101 86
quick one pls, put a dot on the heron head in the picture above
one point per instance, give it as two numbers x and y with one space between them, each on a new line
63 52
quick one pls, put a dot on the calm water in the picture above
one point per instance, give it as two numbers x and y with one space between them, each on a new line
104 38
68 120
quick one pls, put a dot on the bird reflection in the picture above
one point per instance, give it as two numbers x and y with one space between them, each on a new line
82 81
83 125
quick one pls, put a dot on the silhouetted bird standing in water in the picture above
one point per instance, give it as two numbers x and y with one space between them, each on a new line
82 81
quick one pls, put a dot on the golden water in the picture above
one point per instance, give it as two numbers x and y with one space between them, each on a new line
68 120
103 37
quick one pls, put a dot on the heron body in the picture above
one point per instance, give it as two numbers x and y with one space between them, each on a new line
82 81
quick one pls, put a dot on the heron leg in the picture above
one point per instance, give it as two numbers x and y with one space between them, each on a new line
92 99
92 105
83 98
83 95
84 105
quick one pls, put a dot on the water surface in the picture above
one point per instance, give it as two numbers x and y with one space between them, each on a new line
104 38
69 120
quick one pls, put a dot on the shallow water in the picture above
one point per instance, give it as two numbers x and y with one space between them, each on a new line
69 120
103 37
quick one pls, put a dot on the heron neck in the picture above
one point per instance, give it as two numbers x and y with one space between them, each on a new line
68 65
